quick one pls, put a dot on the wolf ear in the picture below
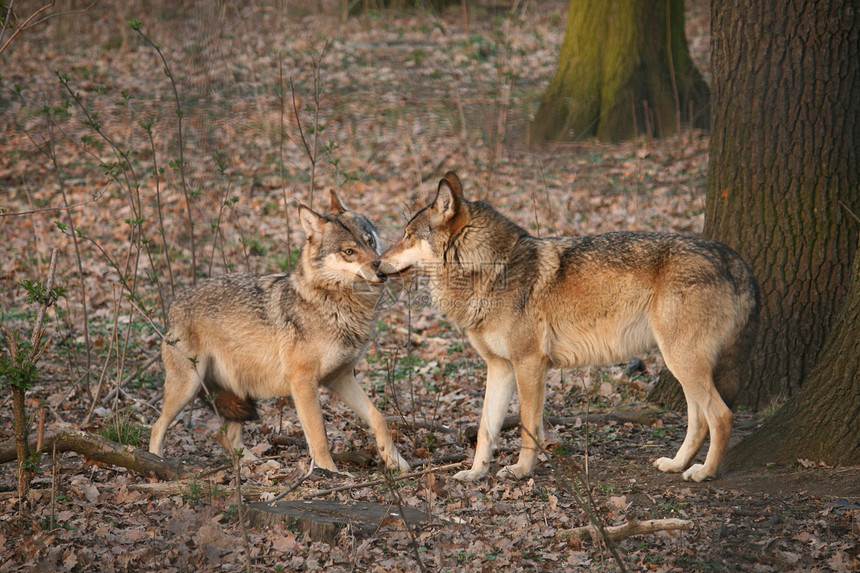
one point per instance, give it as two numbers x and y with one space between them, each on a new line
448 196
311 222
337 205
454 182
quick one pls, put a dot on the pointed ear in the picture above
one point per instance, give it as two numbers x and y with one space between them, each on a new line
447 201
337 205
454 182
311 222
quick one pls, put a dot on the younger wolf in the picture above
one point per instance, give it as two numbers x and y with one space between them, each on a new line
246 336
528 303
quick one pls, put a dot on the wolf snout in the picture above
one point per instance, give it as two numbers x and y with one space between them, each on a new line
383 268
375 275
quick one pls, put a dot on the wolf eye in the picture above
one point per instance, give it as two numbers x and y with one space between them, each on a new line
371 242
348 252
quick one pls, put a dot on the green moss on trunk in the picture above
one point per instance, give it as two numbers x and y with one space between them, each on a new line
624 70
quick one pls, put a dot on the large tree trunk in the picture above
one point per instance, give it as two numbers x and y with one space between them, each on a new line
624 70
784 173
822 421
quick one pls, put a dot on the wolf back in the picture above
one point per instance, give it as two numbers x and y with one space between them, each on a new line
528 303
242 337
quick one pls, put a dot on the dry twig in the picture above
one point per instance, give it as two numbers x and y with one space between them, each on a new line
634 527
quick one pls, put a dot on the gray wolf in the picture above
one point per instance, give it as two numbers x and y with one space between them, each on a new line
528 303
243 337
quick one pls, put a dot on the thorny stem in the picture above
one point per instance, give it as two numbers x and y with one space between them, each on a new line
281 136
413 541
240 510
51 151
586 502
311 152
179 114
30 23
160 212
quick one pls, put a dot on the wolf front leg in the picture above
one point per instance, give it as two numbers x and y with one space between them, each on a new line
306 397
497 397
531 387
349 391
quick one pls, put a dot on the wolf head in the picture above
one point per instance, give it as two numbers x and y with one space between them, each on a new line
430 232
342 246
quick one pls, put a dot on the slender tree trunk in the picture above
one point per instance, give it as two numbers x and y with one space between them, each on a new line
624 70
22 445
783 168
822 421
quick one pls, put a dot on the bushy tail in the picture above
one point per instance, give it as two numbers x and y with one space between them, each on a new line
230 406
733 366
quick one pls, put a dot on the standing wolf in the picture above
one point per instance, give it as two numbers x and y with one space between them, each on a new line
528 303
248 336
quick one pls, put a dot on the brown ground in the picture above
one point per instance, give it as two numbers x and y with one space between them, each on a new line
406 96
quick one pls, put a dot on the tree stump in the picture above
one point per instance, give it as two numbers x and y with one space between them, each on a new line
322 520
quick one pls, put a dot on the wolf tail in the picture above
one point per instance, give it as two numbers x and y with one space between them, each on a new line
733 366
230 406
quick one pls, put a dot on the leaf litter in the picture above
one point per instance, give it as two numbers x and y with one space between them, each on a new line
404 96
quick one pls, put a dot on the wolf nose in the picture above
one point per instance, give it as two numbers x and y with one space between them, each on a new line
382 276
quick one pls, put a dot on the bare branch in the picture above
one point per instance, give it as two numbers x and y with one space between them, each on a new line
32 21
634 527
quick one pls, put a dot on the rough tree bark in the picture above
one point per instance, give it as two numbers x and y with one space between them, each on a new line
822 421
624 70
784 155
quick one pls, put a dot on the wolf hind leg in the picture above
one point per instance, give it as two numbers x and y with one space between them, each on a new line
233 435
497 397
182 381
348 390
697 429
706 413
531 387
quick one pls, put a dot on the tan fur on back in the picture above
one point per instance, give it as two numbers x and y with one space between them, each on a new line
244 337
528 303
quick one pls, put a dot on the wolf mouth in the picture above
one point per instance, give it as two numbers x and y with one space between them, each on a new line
402 273
382 269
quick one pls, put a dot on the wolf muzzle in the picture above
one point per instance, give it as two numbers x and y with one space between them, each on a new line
386 269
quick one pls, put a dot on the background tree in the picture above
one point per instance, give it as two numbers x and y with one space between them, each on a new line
784 174
624 70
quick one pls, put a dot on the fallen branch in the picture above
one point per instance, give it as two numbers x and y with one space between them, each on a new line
183 486
376 482
419 423
645 416
356 458
634 527
250 491
102 450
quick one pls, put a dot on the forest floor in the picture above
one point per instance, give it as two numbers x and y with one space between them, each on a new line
402 98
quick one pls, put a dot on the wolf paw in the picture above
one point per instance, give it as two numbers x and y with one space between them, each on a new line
697 473
668 465
396 462
331 473
513 472
470 475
